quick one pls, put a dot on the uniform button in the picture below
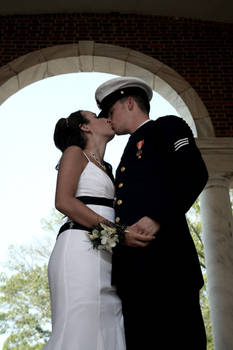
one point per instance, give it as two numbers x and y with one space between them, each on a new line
120 185
119 202
117 219
122 169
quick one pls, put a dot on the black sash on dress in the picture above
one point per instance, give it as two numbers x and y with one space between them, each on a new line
86 200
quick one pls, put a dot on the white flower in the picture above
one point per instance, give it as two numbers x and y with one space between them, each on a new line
90 236
104 240
112 243
108 228
95 233
104 237
104 233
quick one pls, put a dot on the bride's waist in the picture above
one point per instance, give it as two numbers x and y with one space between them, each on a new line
103 201
100 205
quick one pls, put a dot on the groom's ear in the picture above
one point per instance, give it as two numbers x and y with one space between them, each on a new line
130 103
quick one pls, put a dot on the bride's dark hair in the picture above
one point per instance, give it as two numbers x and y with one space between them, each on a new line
68 133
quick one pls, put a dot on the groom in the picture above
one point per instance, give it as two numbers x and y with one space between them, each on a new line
160 175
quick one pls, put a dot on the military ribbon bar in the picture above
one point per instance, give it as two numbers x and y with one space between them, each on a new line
139 147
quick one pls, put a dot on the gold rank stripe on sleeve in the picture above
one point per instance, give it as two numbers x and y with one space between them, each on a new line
180 143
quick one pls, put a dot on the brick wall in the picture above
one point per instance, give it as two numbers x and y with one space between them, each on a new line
201 51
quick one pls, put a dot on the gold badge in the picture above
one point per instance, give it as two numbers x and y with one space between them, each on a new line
139 147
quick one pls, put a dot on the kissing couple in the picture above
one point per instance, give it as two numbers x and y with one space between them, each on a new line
124 272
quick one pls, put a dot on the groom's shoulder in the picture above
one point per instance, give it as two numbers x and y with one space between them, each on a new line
171 124
166 120
163 122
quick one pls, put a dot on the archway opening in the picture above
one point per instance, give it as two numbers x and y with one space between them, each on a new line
164 80
27 121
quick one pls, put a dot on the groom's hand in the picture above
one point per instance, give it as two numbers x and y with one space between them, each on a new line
136 239
146 226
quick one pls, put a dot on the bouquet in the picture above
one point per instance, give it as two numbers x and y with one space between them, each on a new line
106 235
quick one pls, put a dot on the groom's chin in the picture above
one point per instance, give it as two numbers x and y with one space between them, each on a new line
121 132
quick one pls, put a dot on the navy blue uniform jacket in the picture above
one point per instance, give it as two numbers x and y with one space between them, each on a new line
162 184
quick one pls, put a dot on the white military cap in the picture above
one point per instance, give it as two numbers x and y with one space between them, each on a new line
114 89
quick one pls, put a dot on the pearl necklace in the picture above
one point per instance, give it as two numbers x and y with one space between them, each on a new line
97 161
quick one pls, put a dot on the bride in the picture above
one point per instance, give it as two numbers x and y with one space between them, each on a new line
86 311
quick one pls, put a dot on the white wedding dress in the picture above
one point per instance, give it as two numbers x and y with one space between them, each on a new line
86 311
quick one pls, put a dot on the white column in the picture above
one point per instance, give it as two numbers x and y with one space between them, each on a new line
217 224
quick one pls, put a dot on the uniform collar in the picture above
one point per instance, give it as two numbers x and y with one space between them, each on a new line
148 120
140 128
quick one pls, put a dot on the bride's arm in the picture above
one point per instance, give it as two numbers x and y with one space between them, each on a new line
71 166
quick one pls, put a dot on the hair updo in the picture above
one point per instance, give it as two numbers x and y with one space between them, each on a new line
68 133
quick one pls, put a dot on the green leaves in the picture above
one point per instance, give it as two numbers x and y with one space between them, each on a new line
24 294
24 297
194 222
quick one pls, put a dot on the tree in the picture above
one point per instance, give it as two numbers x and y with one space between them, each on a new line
193 218
24 293
25 300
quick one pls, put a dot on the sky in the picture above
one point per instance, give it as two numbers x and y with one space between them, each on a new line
28 155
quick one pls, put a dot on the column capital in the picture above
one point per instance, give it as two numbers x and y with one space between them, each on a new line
219 180
217 153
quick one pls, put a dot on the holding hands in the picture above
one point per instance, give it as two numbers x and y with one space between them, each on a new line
141 233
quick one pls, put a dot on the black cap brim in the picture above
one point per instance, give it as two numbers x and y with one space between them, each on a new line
103 114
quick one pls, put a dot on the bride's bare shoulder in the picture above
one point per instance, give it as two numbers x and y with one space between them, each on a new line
74 151
74 155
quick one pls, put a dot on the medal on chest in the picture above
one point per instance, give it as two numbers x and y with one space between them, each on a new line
139 147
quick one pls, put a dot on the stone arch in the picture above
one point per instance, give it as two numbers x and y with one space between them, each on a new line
88 56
